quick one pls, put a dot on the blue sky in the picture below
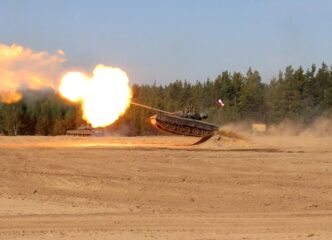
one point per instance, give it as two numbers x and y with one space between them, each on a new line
167 40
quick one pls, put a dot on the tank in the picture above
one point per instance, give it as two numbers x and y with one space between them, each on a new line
182 123
86 131
183 126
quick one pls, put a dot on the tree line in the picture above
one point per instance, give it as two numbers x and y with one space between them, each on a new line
296 94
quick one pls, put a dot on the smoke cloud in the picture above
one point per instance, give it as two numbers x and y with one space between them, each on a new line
22 68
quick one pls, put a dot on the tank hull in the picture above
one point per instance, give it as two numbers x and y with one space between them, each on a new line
84 133
183 126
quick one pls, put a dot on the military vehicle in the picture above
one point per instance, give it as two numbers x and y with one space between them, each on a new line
185 123
86 131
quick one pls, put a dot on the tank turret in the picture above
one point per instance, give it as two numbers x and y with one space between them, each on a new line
191 115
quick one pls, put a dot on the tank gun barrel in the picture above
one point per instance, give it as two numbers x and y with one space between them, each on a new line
150 108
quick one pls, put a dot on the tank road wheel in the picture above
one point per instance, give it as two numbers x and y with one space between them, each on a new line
204 133
166 125
187 130
180 130
184 130
196 132
173 127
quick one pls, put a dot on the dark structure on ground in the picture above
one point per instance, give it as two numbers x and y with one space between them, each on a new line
86 131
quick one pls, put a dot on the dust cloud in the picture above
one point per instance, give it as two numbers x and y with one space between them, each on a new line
320 127
22 68
288 134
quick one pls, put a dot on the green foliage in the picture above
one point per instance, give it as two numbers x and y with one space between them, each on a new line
38 113
299 95
296 94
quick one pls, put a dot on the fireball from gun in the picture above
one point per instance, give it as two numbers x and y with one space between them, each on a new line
104 96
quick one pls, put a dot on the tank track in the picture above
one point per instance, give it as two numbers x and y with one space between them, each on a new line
183 126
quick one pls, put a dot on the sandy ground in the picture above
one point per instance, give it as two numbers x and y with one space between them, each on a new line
162 188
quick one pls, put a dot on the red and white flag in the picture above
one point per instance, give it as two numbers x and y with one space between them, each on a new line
220 103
